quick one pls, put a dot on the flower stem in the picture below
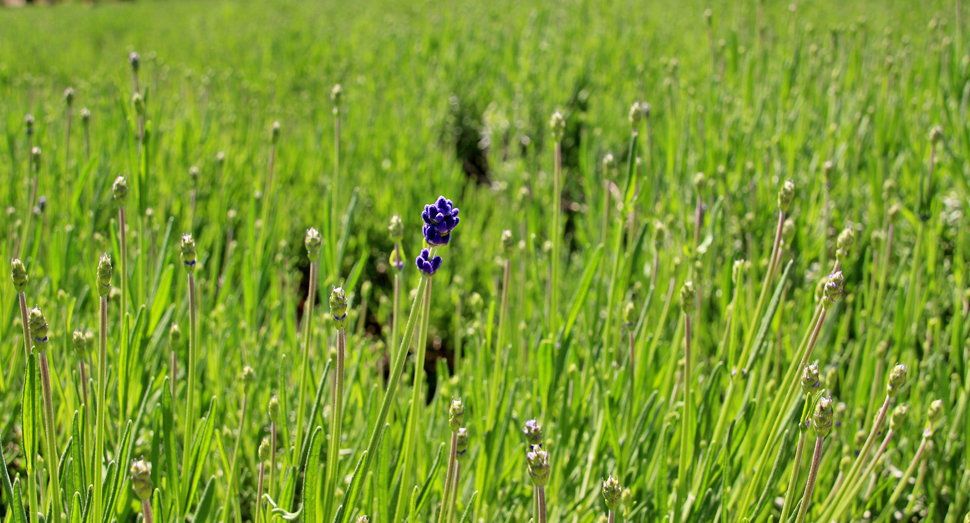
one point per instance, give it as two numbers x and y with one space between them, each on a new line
235 459
336 420
541 491
22 298
102 408
304 373
52 456
611 517
258 508
146 511
335 192
685 446
272 457
556 243
812 475
903 481
793 480
123 241
449 479
496 384
190 389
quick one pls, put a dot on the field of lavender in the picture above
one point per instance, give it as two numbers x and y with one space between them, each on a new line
710 264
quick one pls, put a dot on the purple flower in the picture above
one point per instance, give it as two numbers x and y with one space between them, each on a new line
426 263
440 219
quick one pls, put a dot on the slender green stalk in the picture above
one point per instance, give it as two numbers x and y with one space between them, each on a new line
305 371
52 455
556 235
496 384
683 477
449 480
22 299
123 241
258 504
102 387
335 185
904 480
414 413
766 285
617 247
541 495
233 481
395 308
812 475
336 420
793 479
146 511
190 388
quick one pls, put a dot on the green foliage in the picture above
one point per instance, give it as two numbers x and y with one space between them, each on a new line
585 331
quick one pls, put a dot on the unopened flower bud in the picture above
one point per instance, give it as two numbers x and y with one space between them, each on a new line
558 125
508 242
141 478
29 124
139 103
936 134
18 273
248 375
104 275
336 94
786 195
274 409
699 180
898 416
822 419
456 414
630 314
845 242
396 228
935 412
833 289
462 446
80 343
134 60
538 465
220 158
788 231
338 307
312 242
687 294
174 335
608 162
69 96
38 328
612 492
188 253
363 519
533 432
635 114
35 155
897 378
810 382
85 116
120 189
264 452
274 132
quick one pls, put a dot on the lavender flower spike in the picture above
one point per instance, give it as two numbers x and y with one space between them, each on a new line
440 219
426 263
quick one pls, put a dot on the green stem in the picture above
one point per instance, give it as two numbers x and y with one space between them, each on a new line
102 387
146 511
449 479
123 240
765 286
903 481
190 389
812 475
556 243
235 457
52 456
414 412
496 383
305 369
541 491
793 480
335 191
685 443
25 322
336 420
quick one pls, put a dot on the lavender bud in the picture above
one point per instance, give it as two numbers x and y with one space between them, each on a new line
936 134
635 114
104 275
220 158
363 519
188 253
274 133
85 116
832 289
788 231
608 162
134 60
440 218
456 414
80 343
139 103
897 378
612 492
659 233
533 432
699 180
312 243
426 264
810 381
174 335
18 273
274 409
630 314
558 125
935 412
786 195
845 242
462 447
538 461
338 307
120 189
29 124
141 478
898 416
687 294
35 154
508 242
336 94
69 96
38 328
396 229
822 419
248 375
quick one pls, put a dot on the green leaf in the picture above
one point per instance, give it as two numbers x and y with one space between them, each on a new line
468 507
200 449
313 508
19 516
77 455
579 299
429 482
31 412
205 503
